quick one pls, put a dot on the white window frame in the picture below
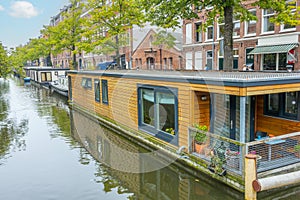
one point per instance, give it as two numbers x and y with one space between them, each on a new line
263 21
219 30
189 60
188 33
236 22
250 22
206 34
198 33
198 60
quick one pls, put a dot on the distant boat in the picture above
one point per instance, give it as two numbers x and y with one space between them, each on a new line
43 75
60 85
27 80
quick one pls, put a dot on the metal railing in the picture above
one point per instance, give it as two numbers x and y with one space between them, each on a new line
231 152
273 153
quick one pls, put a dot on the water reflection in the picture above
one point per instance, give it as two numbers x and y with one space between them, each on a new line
12 131
170 182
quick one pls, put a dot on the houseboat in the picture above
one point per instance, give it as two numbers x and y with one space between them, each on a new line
60 86
246 112
44 75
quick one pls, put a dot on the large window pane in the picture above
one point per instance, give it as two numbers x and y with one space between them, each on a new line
166 112
104 91
97 90
282 61
148 106
269 61
273 103
267 25
251 25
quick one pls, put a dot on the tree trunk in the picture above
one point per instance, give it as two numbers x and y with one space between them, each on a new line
74 63
228 41
118 52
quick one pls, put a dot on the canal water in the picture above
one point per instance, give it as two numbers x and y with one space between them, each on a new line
48 151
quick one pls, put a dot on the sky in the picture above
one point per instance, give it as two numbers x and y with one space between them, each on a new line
21 20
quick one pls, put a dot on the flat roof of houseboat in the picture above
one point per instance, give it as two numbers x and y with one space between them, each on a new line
234 78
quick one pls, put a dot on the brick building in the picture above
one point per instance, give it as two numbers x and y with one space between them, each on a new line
155 57
260 44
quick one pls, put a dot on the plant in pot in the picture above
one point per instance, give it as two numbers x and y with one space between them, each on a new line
200 137
297 150
217 163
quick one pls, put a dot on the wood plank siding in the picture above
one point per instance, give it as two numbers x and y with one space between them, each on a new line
273 125
122 104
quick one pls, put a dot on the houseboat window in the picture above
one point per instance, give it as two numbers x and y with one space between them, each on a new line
158 112
282 105
104 91
86 83
97 90
273 104
46 76
291 106
148 106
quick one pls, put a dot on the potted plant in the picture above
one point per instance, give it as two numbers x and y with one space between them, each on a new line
200 137
297 150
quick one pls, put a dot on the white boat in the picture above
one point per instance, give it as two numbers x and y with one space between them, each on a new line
60 85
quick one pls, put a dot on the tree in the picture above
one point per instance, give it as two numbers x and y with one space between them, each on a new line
108 24
66 35
5 68
169 14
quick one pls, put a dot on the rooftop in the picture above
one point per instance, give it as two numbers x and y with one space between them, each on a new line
237 78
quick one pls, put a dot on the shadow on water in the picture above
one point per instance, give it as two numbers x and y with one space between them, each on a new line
126 167
11 131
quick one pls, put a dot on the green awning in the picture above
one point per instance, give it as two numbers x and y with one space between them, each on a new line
283 48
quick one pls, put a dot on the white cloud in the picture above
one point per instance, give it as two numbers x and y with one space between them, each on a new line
1 8
23 9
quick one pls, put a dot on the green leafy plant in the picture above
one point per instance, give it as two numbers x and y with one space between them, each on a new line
170 130
297 148
200 135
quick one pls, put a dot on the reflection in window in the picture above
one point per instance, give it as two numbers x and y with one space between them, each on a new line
292 5
86 83
250 26
97 90
104 91
198 32
291 106
148 106
209 33
269 61
158 112
267 25
273 103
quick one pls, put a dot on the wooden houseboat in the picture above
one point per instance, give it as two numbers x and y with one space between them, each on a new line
44 75
246 113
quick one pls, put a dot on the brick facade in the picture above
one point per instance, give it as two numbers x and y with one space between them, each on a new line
241 43
148 56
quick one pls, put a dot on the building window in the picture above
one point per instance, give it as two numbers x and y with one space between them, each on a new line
270 61
97 90
188 33
284 105
86 83
104 91
198 32
158 109
292 4
46 76
236 28
267 25
165 63
170 63
209 33
198 60
221 31
188 60
209 59
250 26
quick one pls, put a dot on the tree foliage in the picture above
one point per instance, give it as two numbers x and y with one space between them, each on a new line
5 67
170 14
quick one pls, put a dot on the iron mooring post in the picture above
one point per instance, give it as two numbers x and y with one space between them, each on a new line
250 176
